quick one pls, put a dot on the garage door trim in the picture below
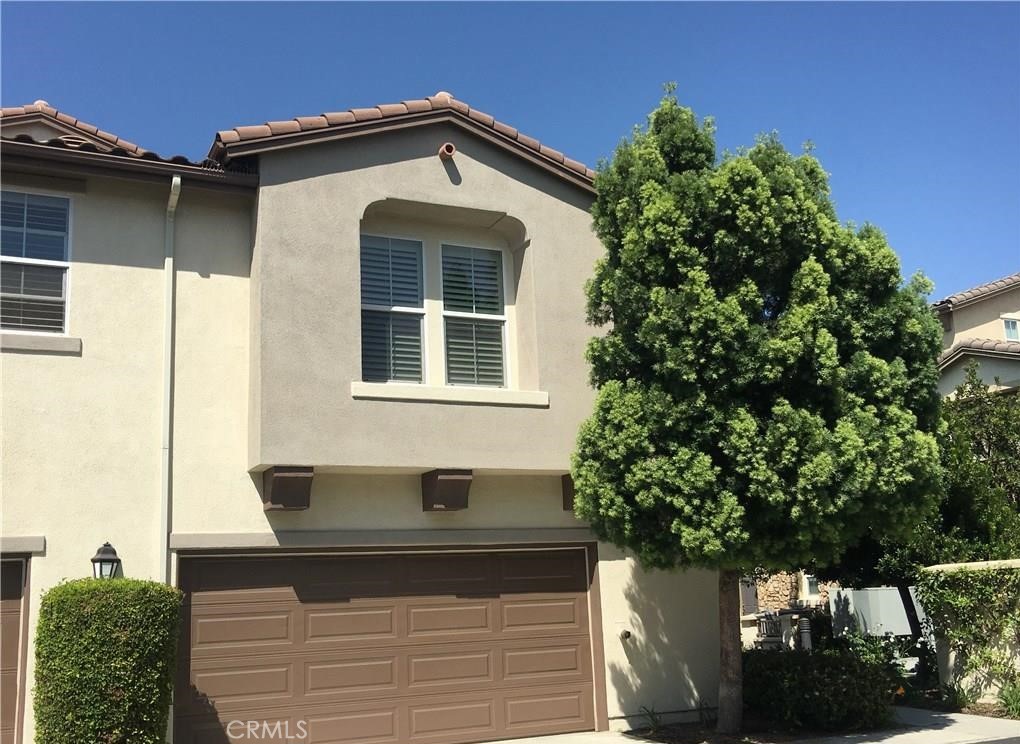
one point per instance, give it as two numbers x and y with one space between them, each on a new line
19 715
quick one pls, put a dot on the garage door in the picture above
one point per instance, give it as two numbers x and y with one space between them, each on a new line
12 593
433 648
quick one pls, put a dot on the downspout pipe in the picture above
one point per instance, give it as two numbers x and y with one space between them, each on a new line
166 467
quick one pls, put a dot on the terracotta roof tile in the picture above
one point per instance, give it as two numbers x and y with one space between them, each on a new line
312 122
254 131
364 114
481 117
980 344
440 101
333 119
417 106
979 292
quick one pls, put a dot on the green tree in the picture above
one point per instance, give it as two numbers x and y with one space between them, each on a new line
978 515
766 385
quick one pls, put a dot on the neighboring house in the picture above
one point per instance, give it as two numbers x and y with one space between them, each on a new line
326 381
981 325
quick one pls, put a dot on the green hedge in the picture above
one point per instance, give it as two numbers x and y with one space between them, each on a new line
834 689
105 654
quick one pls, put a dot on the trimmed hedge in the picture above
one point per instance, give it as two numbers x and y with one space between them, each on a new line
105 653
833 689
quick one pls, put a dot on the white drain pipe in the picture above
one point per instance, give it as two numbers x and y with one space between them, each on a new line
166 473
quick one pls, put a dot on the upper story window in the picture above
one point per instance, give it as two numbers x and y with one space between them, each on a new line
1012 328
392 309
34 254
432 305
473 315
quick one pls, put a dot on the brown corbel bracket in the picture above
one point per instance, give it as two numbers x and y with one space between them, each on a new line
287 488
445 490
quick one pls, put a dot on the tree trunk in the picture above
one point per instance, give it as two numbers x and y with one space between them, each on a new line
731 671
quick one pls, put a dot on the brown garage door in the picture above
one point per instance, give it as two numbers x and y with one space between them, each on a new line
435 648
12 592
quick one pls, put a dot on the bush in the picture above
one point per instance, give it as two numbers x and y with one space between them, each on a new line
1009 699
105 654
831 689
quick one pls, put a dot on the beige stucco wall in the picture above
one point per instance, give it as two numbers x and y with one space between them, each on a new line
81 436
311 205
983 319
989 368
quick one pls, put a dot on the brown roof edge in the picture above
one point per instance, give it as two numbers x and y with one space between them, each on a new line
33 156
976 294
980 347
307 129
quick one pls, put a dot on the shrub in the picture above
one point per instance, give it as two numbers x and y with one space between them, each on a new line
104 661
977 613
830 689
1009 699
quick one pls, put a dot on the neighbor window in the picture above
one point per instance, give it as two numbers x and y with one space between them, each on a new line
473 315
392 309
33 262
1012 329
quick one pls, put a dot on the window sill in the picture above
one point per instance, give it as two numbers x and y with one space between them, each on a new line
449 394
40 343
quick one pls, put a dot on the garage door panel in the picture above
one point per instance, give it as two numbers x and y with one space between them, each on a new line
369 675
530 571
541 613
252 630
411 648
362 727
240 686
451 573
349 625
452 617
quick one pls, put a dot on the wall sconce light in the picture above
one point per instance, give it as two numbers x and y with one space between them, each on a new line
105 562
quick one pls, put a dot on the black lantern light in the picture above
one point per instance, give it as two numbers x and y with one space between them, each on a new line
105 562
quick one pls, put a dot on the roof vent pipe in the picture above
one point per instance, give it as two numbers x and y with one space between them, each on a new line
447 150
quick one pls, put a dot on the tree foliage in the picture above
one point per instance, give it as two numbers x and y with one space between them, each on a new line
766 387
978 514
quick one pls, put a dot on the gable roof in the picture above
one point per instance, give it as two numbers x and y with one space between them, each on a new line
77 131
442 106
976 294
979 347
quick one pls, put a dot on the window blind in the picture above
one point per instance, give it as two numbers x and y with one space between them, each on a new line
472 280
391 330
32 294
474 352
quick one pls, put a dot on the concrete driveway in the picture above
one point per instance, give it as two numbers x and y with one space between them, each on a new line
916 727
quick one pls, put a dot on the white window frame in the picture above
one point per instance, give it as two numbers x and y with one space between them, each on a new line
66 264
419 311
805 587
1015 317
502 317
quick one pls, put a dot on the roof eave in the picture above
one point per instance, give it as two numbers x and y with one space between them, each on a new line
16 153
224 152
955 355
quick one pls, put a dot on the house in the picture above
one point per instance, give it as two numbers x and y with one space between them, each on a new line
326 381
982 325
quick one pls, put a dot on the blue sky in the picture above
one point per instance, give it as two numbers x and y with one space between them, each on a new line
914 108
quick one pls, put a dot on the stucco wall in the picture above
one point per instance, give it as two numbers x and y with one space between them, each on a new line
989 368
81 436
307 255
